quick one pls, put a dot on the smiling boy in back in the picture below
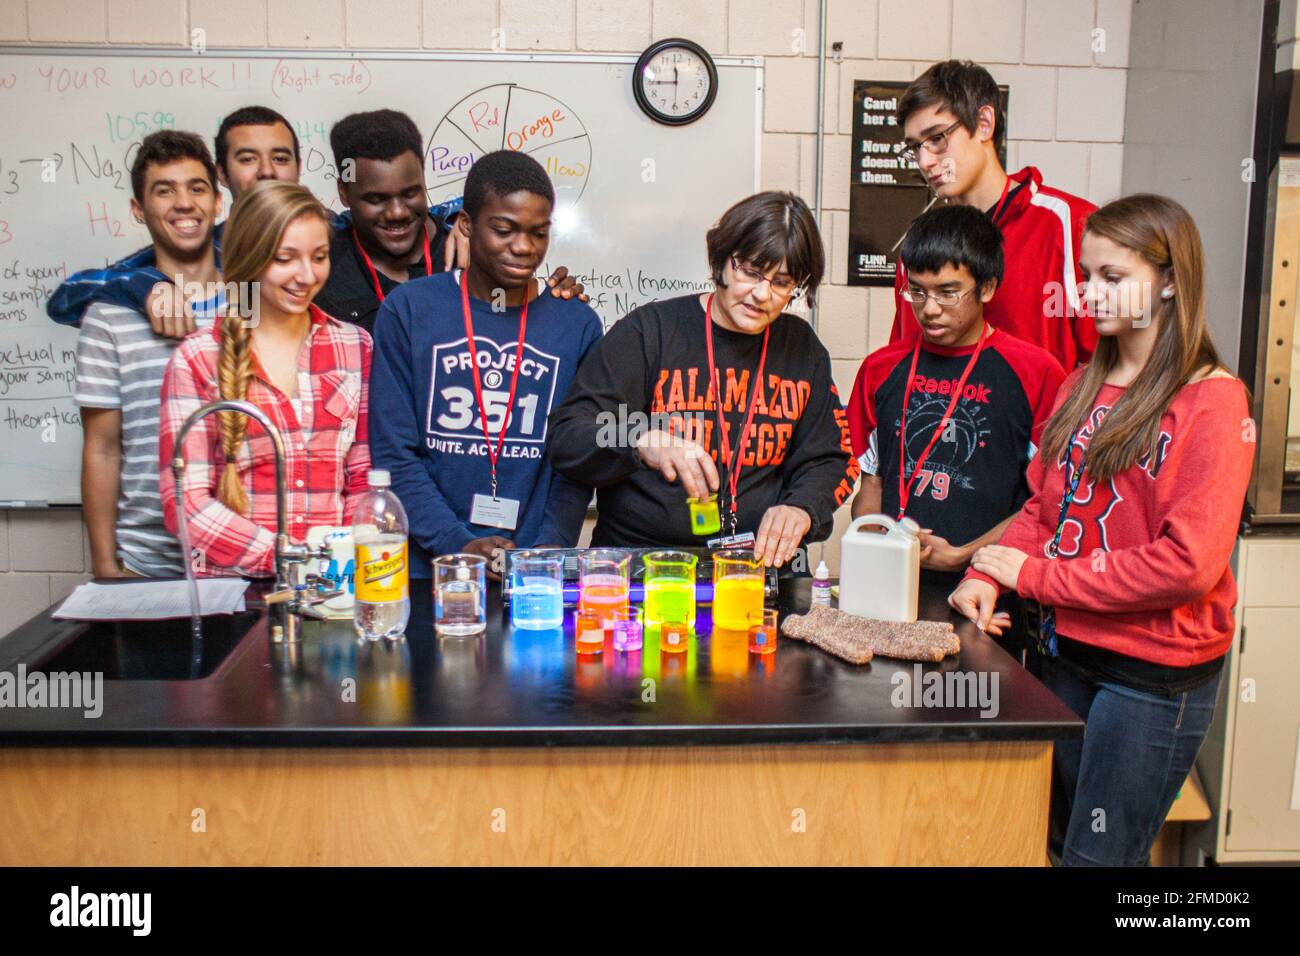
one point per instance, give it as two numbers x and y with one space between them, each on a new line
121 359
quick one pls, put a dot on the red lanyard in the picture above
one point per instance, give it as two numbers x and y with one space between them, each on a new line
493 453
374 276
733 467
905 485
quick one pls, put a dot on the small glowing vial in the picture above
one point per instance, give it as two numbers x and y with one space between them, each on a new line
589 633
674 636
762 631
627 628
705 518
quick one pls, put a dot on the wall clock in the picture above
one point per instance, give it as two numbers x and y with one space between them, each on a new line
675 81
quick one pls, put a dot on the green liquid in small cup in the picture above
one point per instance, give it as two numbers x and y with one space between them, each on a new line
704 517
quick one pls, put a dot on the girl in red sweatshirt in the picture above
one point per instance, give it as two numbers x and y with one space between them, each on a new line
1137 492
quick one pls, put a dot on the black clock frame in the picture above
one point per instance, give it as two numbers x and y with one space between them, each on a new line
650 53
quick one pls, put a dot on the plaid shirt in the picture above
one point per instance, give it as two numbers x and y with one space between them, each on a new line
326 452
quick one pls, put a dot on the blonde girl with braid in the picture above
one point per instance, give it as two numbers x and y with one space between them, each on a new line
275 349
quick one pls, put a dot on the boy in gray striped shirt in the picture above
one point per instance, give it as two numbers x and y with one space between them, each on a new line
121 361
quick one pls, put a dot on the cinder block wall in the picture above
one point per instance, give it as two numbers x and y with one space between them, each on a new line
1067 103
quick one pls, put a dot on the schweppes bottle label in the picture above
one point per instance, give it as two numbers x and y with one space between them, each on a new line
381 573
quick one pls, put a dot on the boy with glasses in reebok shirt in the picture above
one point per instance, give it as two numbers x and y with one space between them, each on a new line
945 426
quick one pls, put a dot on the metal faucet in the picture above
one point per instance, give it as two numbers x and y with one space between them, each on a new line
287 602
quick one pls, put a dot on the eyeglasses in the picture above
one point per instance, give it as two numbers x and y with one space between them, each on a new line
936 144
943 299
784 286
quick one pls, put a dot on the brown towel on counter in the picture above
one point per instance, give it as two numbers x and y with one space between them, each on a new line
856 639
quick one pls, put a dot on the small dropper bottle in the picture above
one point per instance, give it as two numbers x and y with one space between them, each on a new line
821 585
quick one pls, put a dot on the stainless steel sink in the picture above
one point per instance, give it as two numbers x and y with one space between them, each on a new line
146 650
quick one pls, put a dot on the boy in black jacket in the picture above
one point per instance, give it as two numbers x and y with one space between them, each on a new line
390 234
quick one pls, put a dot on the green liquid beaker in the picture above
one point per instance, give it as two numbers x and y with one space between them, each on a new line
669 587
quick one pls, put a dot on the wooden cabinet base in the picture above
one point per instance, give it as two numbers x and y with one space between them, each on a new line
981 803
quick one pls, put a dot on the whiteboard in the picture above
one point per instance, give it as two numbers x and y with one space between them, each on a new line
633 198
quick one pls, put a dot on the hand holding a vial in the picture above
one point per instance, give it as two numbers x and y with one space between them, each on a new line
679 459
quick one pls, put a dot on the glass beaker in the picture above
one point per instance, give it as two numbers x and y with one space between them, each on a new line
627 629
460 595
737 588
537 590
603 579
669 587
674 637
588 632
762 631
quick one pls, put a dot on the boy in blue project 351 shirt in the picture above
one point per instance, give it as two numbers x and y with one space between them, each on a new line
467 367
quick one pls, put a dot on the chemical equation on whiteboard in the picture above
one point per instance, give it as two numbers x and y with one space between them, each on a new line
315 161
507 116
24 289
9 185
83 160
15 174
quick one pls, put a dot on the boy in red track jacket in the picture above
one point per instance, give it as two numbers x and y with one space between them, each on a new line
952 125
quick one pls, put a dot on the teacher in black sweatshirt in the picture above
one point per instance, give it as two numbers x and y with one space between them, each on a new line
722 392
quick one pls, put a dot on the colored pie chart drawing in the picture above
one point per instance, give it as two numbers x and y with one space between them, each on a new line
508 116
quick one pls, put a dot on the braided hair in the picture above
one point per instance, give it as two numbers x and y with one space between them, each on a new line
253 235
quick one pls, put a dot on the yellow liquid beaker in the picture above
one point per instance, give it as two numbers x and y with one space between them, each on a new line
737 588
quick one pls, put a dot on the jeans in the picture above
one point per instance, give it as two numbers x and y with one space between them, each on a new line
1113 788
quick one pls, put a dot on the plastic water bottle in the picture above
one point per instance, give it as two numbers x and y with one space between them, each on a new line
382 569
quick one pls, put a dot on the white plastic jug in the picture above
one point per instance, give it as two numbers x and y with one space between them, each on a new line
880 573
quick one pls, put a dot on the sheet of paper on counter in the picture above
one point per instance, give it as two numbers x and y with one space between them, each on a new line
151 600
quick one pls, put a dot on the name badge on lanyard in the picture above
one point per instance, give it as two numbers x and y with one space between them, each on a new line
495 512
743 540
